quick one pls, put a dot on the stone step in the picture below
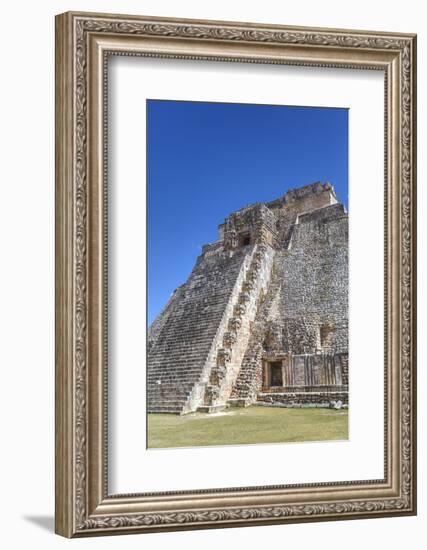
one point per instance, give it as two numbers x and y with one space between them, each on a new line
180 351
173 403
182 360
177 385
181 373
181 357
165 394
165 409
181 369
177 368
189 345
173 380
171 384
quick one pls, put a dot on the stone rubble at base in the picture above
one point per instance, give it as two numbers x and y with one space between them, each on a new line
263 317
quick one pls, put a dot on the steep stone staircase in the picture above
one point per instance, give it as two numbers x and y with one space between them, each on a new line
249 379
178 353
235 339
156 328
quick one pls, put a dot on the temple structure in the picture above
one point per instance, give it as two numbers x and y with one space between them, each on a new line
263 317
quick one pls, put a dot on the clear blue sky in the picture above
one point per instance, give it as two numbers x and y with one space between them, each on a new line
205 160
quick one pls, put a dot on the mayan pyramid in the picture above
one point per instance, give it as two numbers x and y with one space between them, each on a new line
263 317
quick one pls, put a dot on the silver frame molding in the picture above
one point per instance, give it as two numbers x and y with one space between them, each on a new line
83 43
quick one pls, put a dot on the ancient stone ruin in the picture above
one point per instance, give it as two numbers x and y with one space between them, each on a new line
263 317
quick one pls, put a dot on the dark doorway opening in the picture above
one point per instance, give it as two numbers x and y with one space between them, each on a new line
276 378
245 239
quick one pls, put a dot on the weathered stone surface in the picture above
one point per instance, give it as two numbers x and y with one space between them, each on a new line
300 399
264 315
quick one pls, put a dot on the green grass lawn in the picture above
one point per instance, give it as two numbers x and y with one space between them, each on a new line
237 426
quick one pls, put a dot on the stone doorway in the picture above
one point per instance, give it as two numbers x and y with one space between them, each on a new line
244 239
276 376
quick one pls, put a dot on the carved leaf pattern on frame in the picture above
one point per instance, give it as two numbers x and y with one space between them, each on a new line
211 31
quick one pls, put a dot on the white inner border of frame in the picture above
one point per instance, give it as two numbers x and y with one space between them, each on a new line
133 468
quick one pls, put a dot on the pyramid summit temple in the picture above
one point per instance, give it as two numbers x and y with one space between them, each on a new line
263 316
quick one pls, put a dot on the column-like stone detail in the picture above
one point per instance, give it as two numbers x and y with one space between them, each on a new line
224 373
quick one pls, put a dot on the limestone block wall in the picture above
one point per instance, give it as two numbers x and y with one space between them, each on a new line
326 398
323 369
310 197
306 308
314 295
256 221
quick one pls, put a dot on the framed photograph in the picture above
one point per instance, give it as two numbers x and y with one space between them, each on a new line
235 274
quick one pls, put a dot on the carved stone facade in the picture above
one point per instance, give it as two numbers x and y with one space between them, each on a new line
263 317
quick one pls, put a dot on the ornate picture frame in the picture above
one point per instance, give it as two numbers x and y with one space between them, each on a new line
84 506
